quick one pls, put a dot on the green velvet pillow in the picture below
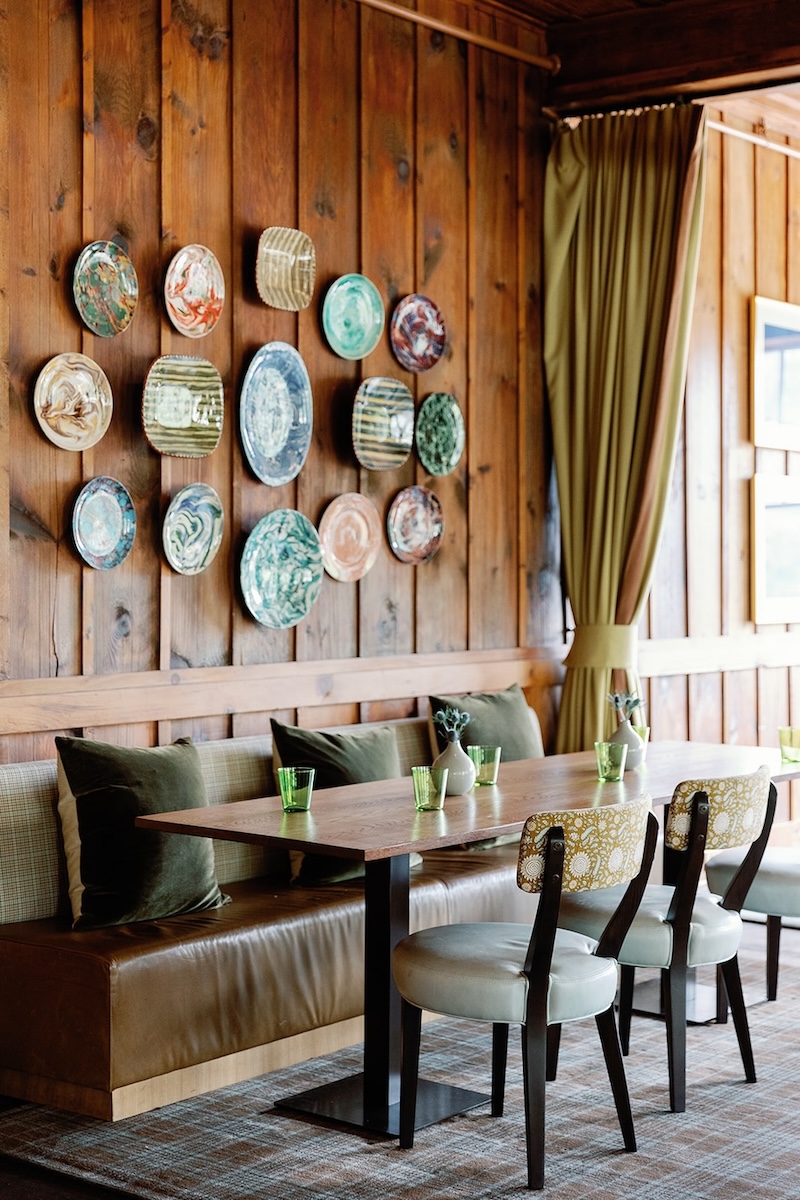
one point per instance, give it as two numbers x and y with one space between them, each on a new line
118 873
338 758
498 719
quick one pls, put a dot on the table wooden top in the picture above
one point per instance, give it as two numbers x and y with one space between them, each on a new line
370 821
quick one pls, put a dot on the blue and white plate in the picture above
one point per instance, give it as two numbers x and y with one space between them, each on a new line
104 522
276 413
281 569
193 528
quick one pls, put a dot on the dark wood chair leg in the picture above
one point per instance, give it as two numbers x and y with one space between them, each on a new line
612 1052
733 983
626 978
411 1018
499 1060
773 950
534 1065
553 1046
722 998
675 1016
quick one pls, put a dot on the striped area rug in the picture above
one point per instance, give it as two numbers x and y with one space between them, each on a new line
735 1142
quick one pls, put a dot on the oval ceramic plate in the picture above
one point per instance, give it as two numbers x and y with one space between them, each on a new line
276 413
350 533
383 423
105 288
103 522
183 406
353 316
193 527
281 568
73 401
286 268
415 525
439 433
417 333
194 291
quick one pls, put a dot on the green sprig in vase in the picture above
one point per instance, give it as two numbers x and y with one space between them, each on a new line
460 768
625 706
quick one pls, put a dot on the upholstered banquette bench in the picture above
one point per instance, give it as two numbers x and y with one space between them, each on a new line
108 1007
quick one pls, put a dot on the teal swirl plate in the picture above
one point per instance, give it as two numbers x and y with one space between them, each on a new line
353 316
281 569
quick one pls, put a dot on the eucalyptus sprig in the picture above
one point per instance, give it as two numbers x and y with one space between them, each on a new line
452 721
624 703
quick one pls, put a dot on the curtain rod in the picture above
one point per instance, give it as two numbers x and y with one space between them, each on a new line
755 138
551 62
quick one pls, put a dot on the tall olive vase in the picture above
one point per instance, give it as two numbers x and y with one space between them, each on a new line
460 768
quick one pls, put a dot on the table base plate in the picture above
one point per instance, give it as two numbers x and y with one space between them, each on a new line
342 1102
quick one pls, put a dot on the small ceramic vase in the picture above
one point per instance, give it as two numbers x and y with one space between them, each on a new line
460 768
627 735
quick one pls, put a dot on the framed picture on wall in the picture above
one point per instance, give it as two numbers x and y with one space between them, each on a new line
775 373
776 536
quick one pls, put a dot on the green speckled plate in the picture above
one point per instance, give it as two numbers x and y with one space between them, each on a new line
281 569
105 287
353 316
439 433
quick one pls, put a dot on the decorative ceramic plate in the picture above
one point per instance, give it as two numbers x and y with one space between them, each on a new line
439 433
192 530
417 333
194 291
276 413
383 423
415 525
73 401
286 268
353 316
103 522
183 406
350 533
105 288
281 568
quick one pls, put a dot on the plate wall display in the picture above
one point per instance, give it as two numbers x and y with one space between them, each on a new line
417 333
350 532
383 423
104 522
105 287
193 528
194 291
286 268
276 413
73 402
281 569
353 316
415 525
439 433
183 406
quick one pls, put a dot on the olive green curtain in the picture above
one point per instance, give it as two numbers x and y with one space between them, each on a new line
622 221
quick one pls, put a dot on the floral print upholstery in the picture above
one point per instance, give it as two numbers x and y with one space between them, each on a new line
602 846
737 804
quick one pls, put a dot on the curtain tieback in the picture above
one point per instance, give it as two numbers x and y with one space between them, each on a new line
611 646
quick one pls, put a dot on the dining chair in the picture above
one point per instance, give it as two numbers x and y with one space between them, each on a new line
675 929
507 973
774 892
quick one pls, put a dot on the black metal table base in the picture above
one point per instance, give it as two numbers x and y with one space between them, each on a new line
342 1102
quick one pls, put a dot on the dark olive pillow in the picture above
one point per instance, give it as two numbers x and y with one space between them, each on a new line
118 873
337 758
498 719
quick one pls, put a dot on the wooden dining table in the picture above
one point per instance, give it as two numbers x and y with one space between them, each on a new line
377 823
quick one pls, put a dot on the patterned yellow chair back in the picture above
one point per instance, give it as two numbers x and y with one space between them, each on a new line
602 846
736 808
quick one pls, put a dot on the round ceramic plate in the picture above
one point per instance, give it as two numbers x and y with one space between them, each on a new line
383 423
353 316
415 525
194 291
183 406
73 401
281 568
286 268
105 288
350 533
276 413
417 333
103 522
192 530
439 433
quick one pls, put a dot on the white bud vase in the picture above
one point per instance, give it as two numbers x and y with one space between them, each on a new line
627 736
460 768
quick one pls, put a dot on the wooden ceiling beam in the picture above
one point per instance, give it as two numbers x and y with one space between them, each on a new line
690 48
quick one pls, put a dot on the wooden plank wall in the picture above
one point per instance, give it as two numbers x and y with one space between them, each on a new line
412 156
